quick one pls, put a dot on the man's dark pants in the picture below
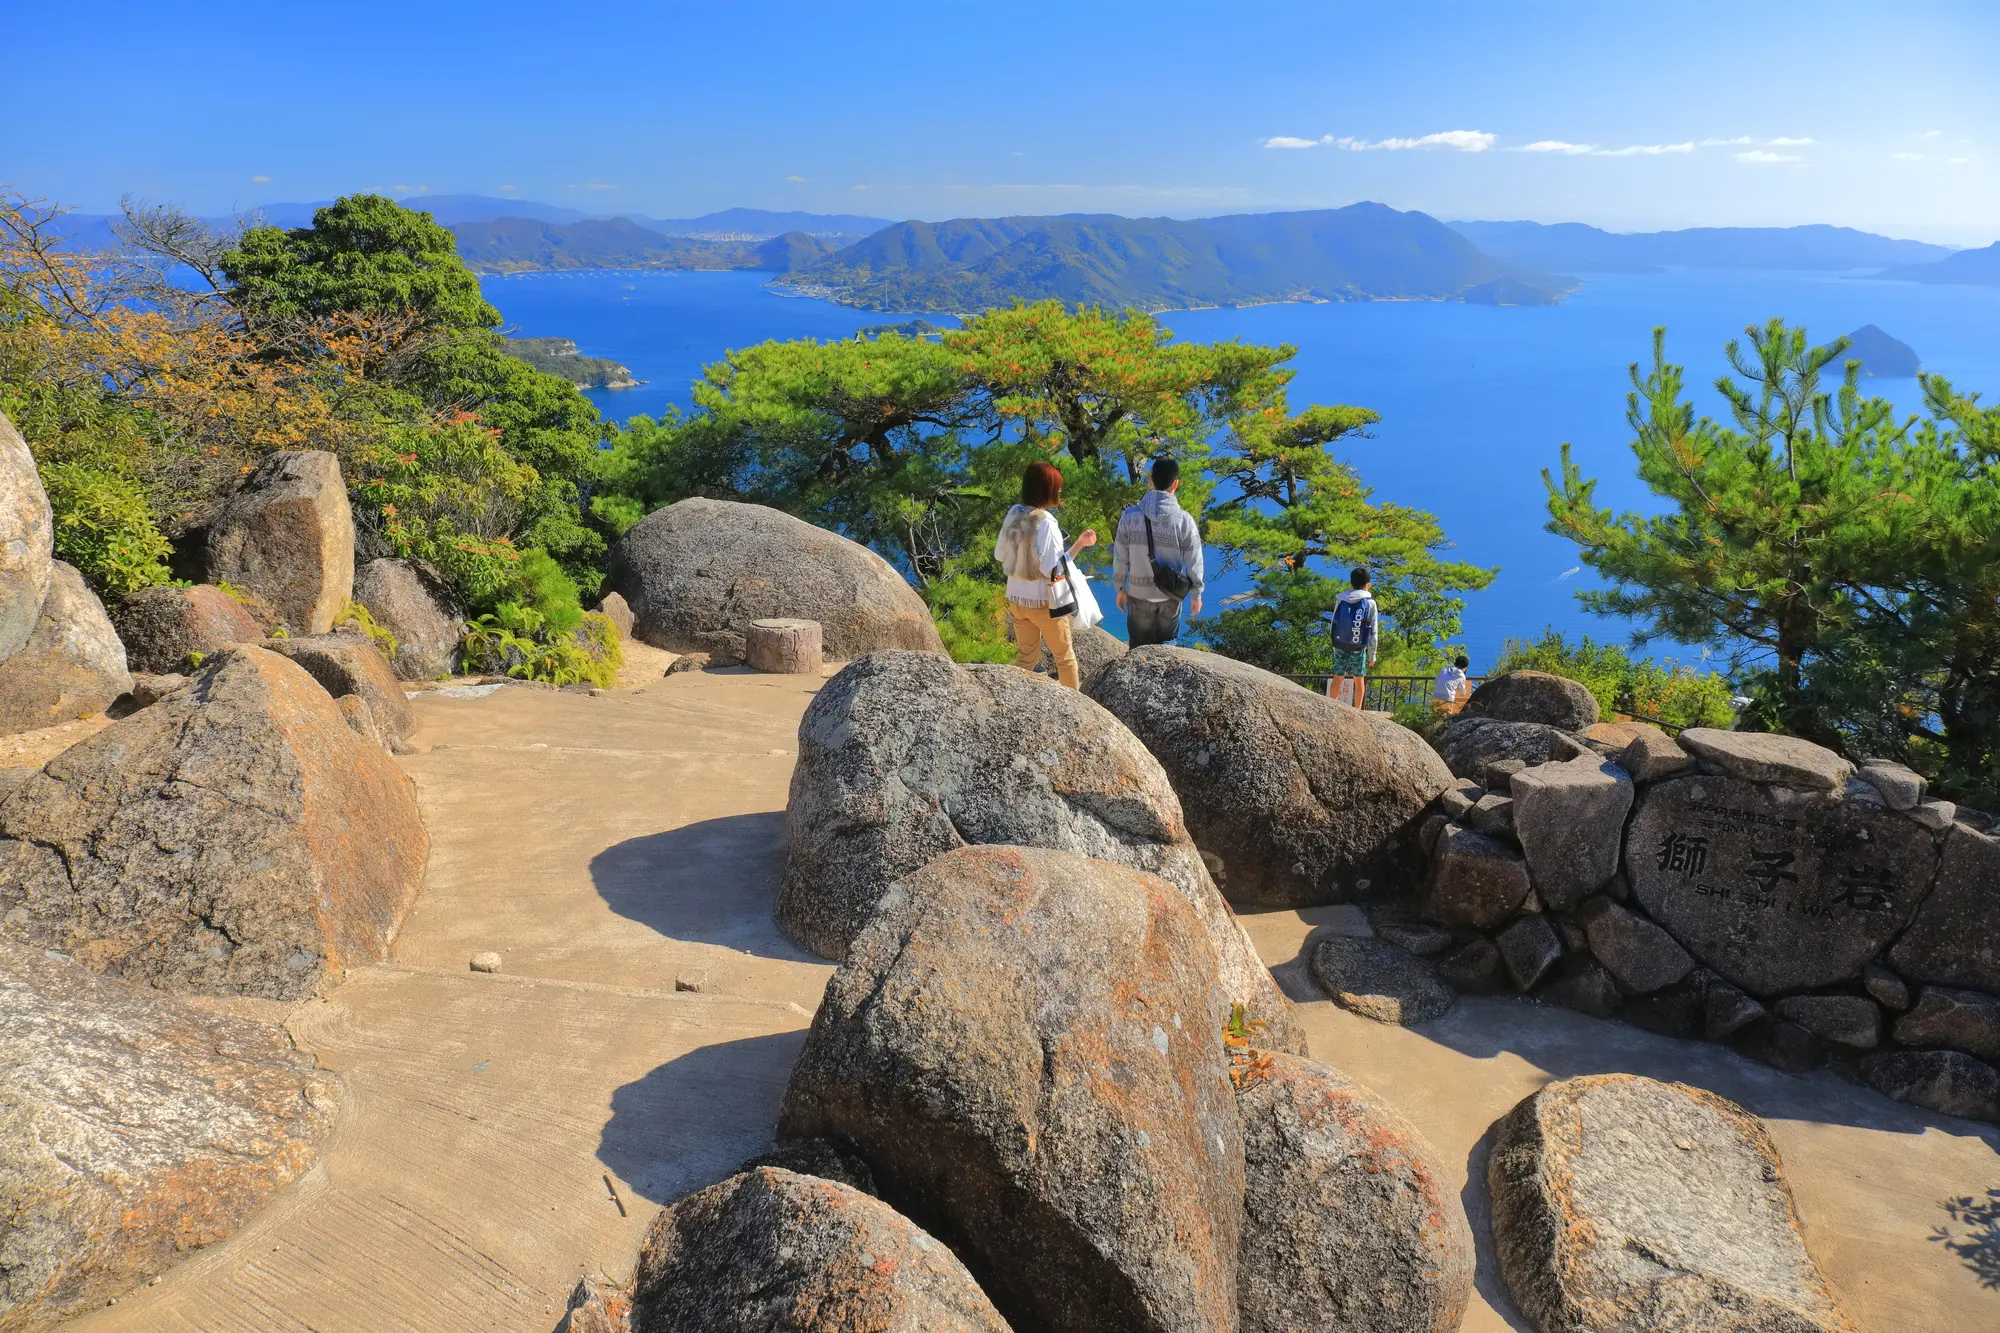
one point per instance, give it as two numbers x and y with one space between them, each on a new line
1151 622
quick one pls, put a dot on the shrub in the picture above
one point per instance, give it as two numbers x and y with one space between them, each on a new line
518 641
971 617
104 526
357 615
1674 692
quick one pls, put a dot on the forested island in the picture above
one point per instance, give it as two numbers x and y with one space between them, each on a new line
558 356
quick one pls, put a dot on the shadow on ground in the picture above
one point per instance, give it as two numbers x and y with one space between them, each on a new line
693 1120
712 882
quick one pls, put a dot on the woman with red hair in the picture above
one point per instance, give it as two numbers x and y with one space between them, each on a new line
1030 549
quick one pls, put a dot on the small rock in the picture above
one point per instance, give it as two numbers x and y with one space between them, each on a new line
1888 988
1673 1012
1653 755
1780 761
1493 815
1499 774
1573 938
486 962
1435 824
1625 1205
1779 1043
1944 1016
1585 987
1727 1011
1379 981
1641 955
1862 793
1458 799
596 1306
1529 947
615 609
1474 880
1937 816
1901 786
688 662
696 982
1948 1081
1419 937
1845 1020
1474 968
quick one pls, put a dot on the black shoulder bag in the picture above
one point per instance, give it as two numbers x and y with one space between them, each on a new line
1166 578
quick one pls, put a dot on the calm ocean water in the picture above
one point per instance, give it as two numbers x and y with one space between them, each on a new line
1475 400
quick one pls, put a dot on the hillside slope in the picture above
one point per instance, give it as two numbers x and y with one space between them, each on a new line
1360 253
523 245
1978 268
1572 247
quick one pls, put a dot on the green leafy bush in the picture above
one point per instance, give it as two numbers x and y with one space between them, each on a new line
357 615
104 526
1674 693
971 616
518 641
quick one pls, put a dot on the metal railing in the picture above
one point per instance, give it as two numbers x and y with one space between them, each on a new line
1385 694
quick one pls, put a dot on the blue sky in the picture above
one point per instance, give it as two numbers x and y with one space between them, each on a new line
1630 116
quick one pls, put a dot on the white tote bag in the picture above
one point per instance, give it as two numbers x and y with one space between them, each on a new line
1088 613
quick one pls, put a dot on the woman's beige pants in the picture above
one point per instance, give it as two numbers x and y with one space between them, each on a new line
1033 626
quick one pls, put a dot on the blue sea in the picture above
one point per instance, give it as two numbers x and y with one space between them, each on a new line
1475 400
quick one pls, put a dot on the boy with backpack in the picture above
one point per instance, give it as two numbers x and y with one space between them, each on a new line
1354 629
1156 560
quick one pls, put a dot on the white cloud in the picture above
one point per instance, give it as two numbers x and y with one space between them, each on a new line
1557 146
1287 141
1646 150
1931 134
1908 157
794 180
1958 161
510 187
413 189
1790 143
1740 141
1464 141
860 187
1759 157
261 180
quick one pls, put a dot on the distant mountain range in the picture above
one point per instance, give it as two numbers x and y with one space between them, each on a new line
1979 268
521 245
1360 253
1572 247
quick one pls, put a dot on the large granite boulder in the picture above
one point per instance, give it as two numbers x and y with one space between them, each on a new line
904 756
1775 887
1095 649
133 1129
1026 1048
1763 757
1955 938
72 665
1349 1222
1535 696
407 598
1570 820
1306 800
27 541
698 572
235 838
1468 743
349 666
769 1251
287 535
1623 1205
162 626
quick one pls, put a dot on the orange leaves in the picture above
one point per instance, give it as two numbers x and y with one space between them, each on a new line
1247 1064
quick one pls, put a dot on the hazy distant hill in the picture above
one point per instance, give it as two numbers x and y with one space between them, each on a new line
558 356
1359 253
1979 268
522 245
1881 356
1572 247
756 224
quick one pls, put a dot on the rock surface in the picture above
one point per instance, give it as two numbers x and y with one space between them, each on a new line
407 598
1474 880
1468 743
1638 953
1777 889
904 756
235 838
1570 820
769 1251
1901 786
161 626
72 665
1653 755
1379 981
710 567
618 611
1535 696
287 535
596 1307
1943 1016
1845 1020
27 541
1948 1081
1755 756
133 1128
1529 947
1955 938
348 665
1349 1220
1624 1205
1306 800
1066 1124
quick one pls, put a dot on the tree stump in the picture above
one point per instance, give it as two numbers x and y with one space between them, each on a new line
783 647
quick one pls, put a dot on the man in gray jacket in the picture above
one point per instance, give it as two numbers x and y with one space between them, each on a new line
1153 613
